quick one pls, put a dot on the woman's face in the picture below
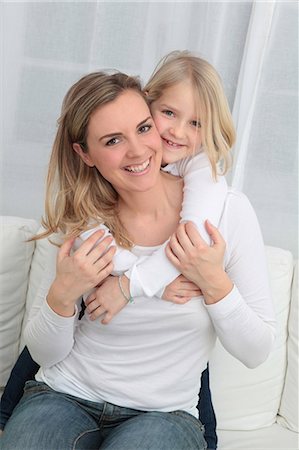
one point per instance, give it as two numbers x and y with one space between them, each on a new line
124 144
176 119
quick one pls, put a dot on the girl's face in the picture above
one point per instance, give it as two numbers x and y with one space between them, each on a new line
177 121
124 144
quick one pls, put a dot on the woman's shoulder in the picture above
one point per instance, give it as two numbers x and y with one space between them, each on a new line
238 215
237 199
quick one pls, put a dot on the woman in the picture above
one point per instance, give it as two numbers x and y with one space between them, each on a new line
135 383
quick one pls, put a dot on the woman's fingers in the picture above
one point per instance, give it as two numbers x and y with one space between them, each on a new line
214 233
65 248
87 245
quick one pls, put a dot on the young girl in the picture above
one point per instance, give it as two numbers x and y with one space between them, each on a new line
192 115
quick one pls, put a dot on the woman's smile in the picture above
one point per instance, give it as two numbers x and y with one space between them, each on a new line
138 169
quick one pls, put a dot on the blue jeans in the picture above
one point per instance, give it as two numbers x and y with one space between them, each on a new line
48 420
25 369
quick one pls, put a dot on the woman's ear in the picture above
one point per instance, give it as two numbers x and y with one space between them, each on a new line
84 156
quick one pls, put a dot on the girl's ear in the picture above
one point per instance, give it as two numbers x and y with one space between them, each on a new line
146 93
84 156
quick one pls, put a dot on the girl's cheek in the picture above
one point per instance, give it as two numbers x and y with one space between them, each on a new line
159 124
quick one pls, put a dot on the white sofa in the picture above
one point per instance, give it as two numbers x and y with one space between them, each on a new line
256 409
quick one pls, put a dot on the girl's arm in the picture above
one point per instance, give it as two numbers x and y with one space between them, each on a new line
149 276
203 199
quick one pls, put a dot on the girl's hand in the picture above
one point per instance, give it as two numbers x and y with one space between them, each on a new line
181 290
198 262
107 299
78 273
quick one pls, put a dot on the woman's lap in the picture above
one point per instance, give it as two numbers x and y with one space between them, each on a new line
46 420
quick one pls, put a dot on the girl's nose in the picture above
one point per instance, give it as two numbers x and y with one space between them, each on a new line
177 131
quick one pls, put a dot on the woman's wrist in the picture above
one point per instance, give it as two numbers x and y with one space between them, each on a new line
217 290
59 301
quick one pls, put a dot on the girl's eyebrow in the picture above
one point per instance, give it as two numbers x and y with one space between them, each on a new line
118 133
172 108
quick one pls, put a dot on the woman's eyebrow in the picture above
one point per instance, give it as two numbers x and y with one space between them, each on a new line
143 121
118 133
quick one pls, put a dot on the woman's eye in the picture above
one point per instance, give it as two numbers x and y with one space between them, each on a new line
112 141
196 123
168 113
144 128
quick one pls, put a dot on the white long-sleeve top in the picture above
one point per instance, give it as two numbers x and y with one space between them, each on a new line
152 354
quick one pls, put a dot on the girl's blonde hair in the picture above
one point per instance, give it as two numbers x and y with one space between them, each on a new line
77 196
217 128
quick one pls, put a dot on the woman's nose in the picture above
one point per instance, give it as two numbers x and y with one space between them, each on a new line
135 148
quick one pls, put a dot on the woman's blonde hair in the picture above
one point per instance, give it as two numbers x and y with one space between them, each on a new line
217 128
77 196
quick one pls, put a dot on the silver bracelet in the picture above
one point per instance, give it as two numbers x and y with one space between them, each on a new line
129 299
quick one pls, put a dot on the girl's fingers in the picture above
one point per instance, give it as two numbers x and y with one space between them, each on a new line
108 317
97 313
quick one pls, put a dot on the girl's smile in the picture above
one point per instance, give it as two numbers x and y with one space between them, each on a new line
176 118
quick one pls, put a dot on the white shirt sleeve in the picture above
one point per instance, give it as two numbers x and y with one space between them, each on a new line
203 199
244 320
48 336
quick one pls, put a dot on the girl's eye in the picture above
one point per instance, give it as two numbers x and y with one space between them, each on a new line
168 113
112 141
144 128
196 123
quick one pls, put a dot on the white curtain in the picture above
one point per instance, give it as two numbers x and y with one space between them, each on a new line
46 46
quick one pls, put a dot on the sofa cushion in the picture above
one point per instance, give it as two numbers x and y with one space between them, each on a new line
15 262
44 253
246 399
269 438
288 412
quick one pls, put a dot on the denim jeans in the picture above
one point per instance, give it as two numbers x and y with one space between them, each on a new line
48 420
25 369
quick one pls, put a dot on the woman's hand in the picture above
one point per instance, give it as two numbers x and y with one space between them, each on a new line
107 299
181 290
198 262
78 273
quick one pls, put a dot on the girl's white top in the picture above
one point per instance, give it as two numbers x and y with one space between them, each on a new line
150 357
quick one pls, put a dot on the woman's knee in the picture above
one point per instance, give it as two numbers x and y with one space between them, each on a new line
158 431
44 420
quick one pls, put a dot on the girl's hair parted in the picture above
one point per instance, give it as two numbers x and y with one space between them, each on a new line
217 128
77 196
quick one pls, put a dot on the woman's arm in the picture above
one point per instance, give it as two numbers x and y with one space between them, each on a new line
238 298
49 333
